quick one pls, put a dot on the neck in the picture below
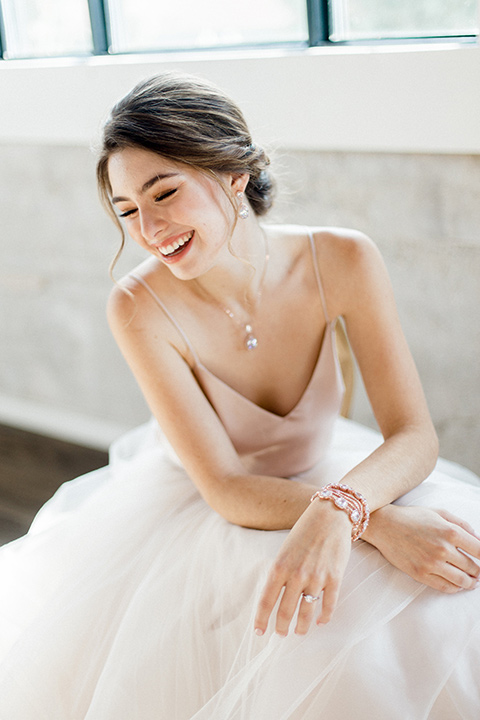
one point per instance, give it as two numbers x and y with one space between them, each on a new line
237 278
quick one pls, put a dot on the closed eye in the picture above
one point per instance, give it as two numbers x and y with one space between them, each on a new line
127 213
166 195
159 198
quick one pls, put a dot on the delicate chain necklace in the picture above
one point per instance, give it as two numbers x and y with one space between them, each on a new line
250 340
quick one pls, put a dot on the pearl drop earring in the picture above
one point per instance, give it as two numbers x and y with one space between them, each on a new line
243 210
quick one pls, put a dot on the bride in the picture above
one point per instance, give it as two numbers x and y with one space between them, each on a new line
247 554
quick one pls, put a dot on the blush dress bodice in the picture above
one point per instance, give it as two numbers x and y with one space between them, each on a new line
271 444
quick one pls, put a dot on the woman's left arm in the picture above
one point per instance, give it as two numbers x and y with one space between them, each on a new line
314 556
432 546
363 295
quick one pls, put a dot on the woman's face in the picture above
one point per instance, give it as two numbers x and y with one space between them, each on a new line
176 213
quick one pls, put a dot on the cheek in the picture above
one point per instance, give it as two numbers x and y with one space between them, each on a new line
220 218
215 204
134 232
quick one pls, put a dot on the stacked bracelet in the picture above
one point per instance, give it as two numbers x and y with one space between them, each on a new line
349 500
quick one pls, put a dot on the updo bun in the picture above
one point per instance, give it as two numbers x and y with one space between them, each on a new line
190 121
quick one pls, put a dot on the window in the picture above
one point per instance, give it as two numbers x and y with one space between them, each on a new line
138 25
382 19
39 28
49 28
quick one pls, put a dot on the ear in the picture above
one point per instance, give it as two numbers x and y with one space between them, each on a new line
238 183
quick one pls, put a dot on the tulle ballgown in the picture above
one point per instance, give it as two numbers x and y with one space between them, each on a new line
131 599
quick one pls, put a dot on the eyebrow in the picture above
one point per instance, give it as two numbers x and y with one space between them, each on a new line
146 186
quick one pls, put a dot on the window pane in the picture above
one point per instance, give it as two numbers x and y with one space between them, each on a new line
138 25
362 19
45 28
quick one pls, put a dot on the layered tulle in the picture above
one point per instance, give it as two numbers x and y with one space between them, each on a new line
131 599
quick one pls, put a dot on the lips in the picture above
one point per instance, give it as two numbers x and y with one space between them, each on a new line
176 247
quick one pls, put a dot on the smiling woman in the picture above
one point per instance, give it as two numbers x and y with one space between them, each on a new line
247 544
159 212
216 144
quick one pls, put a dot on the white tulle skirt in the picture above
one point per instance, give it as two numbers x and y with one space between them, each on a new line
130 599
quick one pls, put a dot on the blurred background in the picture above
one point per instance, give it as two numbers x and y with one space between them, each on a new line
371 114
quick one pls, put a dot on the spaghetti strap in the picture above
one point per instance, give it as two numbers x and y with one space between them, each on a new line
167 313
317 275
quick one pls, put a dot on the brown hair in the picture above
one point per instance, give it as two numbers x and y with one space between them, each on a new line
185 120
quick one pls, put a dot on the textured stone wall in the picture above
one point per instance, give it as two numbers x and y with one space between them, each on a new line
56 244
423 211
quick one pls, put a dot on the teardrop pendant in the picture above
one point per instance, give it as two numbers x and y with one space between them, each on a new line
251 341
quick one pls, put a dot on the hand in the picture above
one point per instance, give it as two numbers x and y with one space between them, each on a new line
429 545
312 560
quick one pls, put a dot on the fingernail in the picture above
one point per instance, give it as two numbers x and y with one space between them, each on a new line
258 631
280 634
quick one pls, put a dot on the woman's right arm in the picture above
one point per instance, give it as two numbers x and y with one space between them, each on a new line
157 356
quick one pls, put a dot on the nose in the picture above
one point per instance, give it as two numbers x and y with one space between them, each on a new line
151 223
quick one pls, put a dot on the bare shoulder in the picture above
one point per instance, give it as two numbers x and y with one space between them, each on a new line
132 311
346 258
126 303
121 303
351 267
344 245
333 244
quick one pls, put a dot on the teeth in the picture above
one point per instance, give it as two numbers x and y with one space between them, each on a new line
176 244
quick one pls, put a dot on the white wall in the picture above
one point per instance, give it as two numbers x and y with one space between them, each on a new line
389 98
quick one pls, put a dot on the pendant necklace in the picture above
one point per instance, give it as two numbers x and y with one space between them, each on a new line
250 340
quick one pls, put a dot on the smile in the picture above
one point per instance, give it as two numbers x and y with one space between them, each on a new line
176 247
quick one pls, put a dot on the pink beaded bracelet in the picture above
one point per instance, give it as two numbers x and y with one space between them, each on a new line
349 500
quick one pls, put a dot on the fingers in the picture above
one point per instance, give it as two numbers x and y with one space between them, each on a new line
460 571
469 539
325 601
267 602
461 579
330 598
289 602
459 548
440 583
308 608
466 564
310 604
311 561
457 572
451 580
464 549
455 520
286 611
468 543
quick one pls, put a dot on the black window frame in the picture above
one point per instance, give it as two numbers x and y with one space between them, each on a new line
318 13
318 17
100 25
3 44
